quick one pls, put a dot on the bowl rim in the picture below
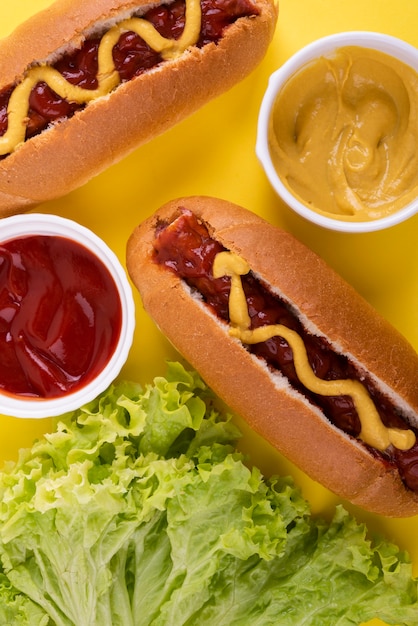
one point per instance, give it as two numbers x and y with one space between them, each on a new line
388 44
16 226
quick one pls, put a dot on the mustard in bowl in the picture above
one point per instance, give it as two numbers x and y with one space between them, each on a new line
338 131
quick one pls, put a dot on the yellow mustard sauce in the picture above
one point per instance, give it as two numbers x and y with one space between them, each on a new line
344 134
107 78
373 431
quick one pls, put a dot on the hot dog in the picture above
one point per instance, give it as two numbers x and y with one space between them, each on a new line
84 82
287 344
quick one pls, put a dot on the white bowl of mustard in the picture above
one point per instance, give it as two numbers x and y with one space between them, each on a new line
338 131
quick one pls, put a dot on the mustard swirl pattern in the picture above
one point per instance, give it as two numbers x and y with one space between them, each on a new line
373 431
107 77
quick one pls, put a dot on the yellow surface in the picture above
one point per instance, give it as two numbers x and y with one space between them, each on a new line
213 153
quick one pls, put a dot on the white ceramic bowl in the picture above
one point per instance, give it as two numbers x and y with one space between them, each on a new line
39 224
325 46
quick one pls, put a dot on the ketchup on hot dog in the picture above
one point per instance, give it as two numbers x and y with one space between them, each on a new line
188 250
131 57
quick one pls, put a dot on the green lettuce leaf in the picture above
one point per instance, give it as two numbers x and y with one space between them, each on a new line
17 609
139 510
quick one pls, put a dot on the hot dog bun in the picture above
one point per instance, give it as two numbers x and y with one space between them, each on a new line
329 307
69 153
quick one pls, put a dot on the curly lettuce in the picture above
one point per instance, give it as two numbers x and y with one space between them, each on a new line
138 510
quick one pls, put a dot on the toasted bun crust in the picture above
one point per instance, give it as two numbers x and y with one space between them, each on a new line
67 155
281 415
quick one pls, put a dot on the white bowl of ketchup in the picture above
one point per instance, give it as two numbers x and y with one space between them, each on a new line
66 316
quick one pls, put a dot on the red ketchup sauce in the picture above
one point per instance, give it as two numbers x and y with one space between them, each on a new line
131 55
187 249
60 316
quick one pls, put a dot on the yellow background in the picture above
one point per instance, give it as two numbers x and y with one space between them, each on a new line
213 153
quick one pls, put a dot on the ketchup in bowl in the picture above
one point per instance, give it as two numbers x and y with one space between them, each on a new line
62 316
